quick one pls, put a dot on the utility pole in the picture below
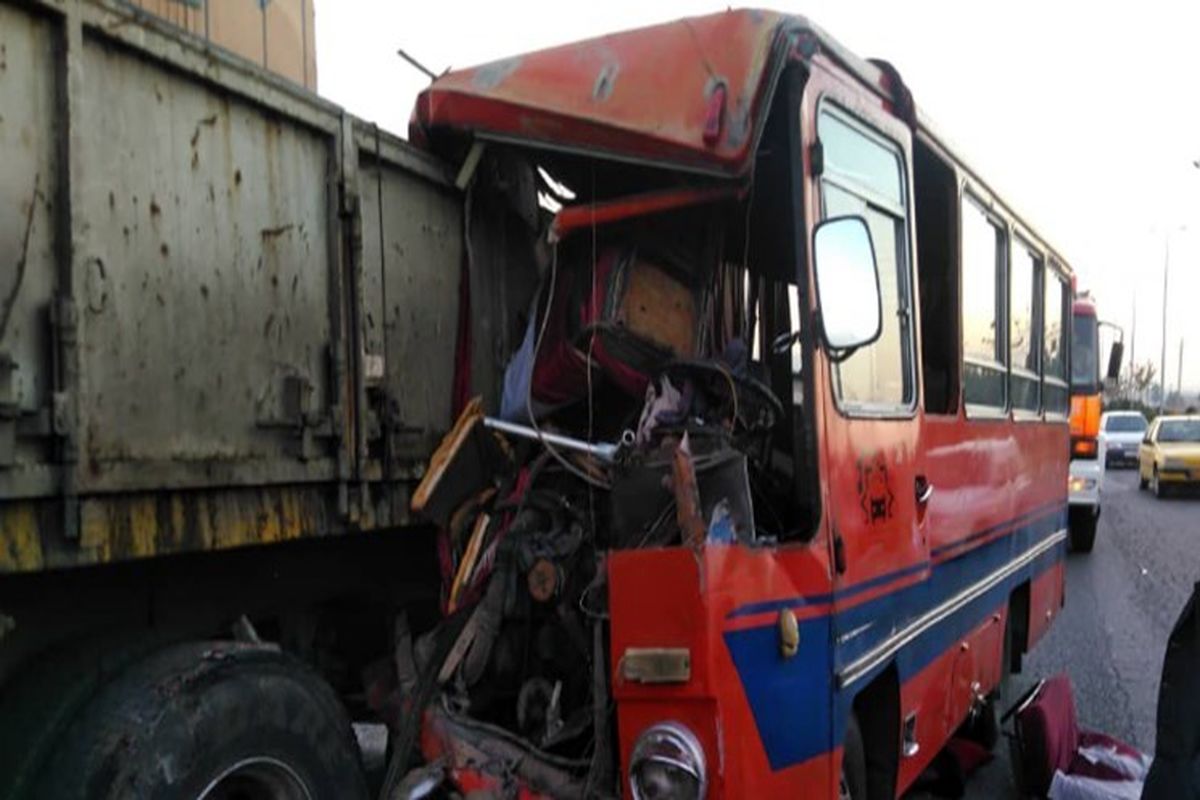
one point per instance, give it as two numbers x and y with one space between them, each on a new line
1162 363
1179 377
1133 351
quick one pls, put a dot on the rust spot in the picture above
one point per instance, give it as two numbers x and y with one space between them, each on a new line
112 200
272 233
205 122
195 160
237 177
161 300
154 209
204 291
166 251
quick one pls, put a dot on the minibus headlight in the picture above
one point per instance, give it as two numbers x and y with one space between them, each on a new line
667 764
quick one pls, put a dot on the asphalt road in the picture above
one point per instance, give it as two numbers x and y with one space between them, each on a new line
1122 600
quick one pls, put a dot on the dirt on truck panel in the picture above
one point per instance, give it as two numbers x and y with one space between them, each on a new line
178 357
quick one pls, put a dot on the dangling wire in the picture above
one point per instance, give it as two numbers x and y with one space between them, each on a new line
591 406
591 480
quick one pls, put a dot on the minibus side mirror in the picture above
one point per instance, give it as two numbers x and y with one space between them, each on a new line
1114 360
847 283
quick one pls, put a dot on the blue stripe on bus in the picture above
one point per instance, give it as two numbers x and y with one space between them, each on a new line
750 609
790 699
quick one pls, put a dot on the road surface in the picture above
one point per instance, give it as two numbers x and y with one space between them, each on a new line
1122 601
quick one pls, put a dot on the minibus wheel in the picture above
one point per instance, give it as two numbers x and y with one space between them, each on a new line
853 783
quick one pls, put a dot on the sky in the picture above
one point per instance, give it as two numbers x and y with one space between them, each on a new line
1085 121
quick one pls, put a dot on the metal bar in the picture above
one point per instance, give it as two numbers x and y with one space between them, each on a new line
587 215
854 671
605 451
71 229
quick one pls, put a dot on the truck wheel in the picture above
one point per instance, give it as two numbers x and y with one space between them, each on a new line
209 721
1083 532
853 783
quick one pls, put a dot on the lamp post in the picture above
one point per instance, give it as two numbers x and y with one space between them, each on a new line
1162 360
1162 364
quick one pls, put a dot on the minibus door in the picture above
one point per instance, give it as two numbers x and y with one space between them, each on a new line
875 491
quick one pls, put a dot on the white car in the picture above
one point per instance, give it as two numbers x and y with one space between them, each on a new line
1121 433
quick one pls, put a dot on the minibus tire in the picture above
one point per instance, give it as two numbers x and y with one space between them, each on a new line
854 764
983 727
209 719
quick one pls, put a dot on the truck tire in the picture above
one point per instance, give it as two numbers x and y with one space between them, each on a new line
1083 532
209 721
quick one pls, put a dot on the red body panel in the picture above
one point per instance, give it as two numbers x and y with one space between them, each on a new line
989 473
1046 597
642 94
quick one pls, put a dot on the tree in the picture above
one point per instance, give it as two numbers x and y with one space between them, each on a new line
1141 377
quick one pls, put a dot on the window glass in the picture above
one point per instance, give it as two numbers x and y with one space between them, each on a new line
1085 365
880 374
984 373
1179 430
861 160
1024 330
1054 314
1125 423
797 352
1056 302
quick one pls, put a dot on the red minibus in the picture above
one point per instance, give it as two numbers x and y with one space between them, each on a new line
908 547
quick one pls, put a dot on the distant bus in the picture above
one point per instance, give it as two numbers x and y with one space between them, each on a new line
1087 470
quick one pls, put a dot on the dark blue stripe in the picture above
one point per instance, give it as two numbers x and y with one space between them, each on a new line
751 609
828 597
797 707
986 532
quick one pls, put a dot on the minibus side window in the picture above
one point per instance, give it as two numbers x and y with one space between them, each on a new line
863 176
1056 316
984 349
1025 329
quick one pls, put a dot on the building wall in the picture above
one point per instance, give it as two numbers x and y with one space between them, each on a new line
276 34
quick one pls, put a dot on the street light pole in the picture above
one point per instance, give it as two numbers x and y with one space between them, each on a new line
1162 364
1179 376
1133 351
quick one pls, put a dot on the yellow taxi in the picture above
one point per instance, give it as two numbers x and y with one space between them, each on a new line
1170 454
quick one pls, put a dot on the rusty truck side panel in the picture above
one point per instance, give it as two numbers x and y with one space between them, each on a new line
215 292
